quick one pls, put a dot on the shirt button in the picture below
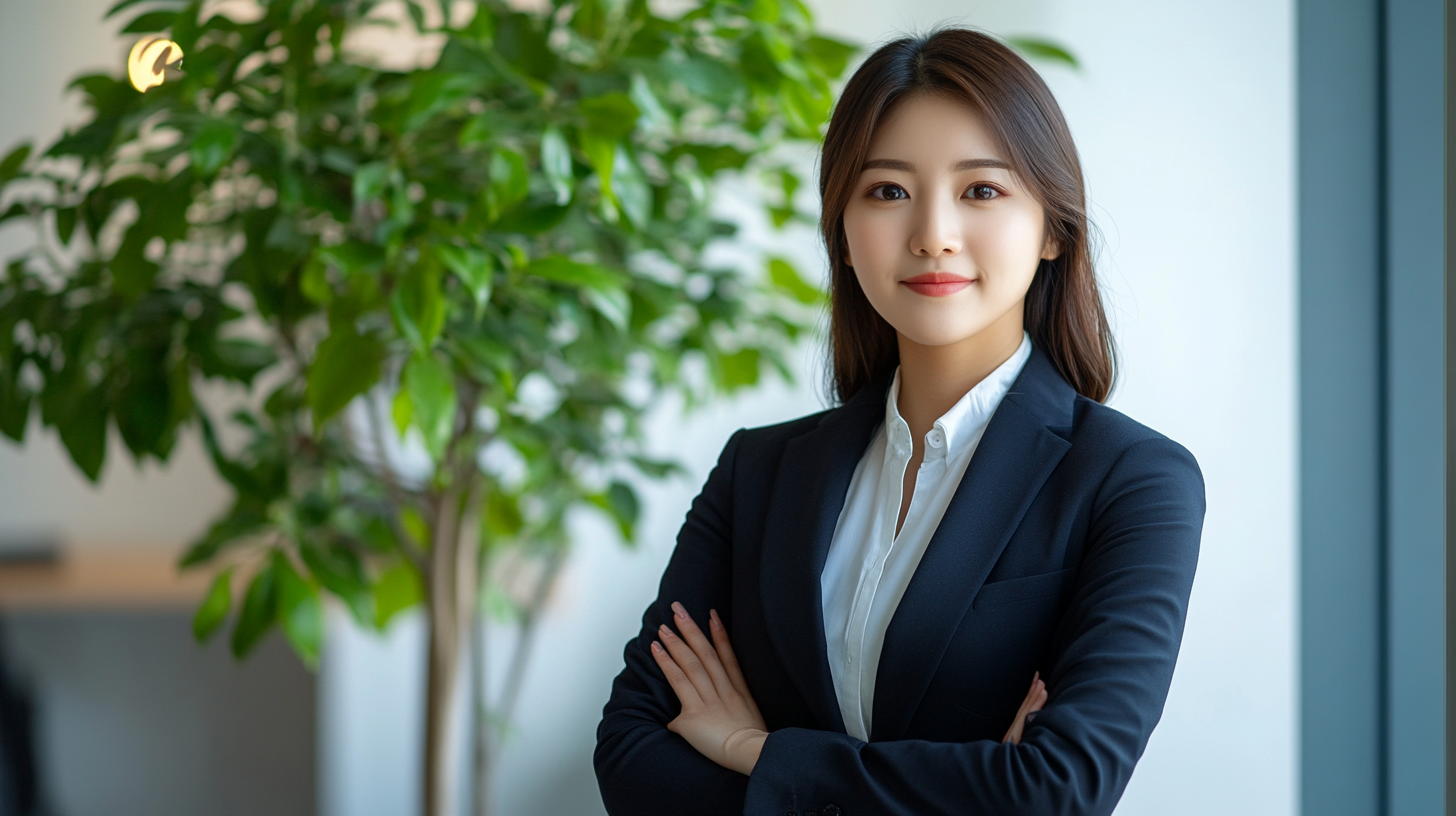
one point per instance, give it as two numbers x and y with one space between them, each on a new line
935 438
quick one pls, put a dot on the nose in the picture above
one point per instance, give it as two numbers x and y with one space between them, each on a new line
938 230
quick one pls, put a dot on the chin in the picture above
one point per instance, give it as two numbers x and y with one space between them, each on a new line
926 330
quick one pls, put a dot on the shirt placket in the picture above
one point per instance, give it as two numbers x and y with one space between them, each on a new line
897 457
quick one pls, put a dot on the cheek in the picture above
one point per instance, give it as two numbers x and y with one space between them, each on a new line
870 237
1007 248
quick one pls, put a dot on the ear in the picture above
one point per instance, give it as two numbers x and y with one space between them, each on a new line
848 261
1051 248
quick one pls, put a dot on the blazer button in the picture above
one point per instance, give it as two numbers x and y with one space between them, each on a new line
830 810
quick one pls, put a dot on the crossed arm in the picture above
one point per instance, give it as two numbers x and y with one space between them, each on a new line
719 717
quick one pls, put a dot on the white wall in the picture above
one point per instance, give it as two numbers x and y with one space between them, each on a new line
1183 113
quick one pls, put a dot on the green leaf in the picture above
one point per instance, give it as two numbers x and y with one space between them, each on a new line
347 364
402 412
632 189
556 163
509 181
624 507
613 304
502 518
611 116
83 432
260 610
13 161
418 306
123 5
16 210
339 570
215 605
299 610
14 398
65 224
397 589
1038 48
831 56
590 19
150 22
601 153
141 405
784 277
564 270
533 220
431 389
236 359
370 182
739 369
352 257
602 287
474 268
131 272
213 146
657 468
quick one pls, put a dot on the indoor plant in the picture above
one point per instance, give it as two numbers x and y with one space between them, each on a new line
500 249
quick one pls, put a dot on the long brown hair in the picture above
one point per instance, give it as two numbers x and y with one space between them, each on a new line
1063 313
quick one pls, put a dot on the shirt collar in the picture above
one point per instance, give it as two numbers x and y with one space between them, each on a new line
964 422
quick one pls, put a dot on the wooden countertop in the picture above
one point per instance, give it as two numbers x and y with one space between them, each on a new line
127 579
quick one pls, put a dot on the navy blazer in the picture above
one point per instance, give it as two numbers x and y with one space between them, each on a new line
1068 548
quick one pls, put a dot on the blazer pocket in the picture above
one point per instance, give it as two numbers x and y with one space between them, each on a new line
1028 588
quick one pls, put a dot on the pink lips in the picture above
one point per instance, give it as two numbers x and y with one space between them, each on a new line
937 284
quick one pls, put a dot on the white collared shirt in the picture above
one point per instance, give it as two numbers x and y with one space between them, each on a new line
868 566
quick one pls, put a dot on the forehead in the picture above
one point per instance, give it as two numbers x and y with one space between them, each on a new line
933 126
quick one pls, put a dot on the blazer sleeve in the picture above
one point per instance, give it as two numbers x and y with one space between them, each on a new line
1111 665
643 768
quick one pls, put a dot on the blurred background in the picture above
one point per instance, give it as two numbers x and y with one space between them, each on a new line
1185 116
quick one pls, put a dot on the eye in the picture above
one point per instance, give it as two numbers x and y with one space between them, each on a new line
983 192
891 192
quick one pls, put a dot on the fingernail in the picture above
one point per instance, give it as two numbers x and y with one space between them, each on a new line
657 647
678 608
713 618
666 632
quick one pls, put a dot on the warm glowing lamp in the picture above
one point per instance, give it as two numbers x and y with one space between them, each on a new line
147 64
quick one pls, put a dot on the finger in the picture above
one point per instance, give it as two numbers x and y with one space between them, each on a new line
1013 734
1038 698
681 685
1035 697
730 660
688 661
725 652
703 648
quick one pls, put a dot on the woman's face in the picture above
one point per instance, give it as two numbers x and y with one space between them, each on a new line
943 238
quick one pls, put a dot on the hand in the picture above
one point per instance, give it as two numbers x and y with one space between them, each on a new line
719 717
1036 697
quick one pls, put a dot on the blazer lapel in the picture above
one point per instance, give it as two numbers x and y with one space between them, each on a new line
1016 455
813 479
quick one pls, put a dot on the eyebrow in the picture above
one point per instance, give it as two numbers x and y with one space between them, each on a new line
963 164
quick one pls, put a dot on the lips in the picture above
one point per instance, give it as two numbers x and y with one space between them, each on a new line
936 284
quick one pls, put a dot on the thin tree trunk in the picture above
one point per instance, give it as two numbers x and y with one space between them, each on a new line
488 750
450 597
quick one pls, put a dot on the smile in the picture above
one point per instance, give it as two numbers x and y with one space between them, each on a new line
936 284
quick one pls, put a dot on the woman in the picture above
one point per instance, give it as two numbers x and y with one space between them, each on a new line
881 581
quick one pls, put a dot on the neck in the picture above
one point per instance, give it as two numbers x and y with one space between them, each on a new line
933 378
